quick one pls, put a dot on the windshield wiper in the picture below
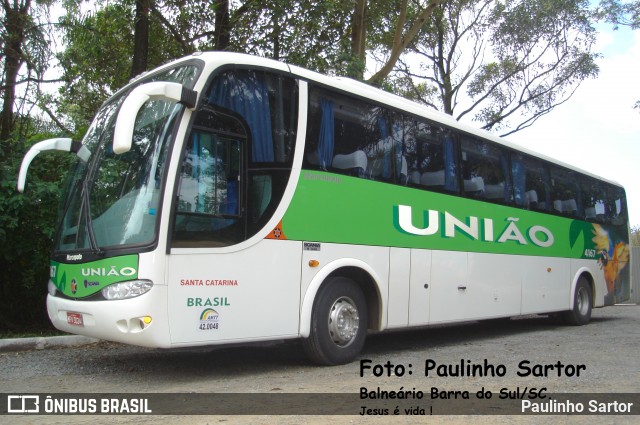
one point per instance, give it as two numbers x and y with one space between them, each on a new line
85 209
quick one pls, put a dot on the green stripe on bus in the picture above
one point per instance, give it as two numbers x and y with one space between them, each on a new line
85 279
341 209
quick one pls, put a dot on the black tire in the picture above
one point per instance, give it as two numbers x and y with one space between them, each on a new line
338 323
582 304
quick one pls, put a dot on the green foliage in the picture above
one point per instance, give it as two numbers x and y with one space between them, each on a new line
24 56
97 60
307 33
514 59
27 224
626 13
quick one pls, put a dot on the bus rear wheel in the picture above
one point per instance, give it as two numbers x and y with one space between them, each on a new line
582 304
338 323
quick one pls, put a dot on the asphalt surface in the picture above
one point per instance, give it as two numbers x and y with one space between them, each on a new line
607 349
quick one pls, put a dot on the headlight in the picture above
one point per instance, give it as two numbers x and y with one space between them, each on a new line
124 290
51 287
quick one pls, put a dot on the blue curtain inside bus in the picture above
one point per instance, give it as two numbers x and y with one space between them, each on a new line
247 94
326 137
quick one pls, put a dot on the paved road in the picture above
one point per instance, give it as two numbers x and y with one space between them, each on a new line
599 358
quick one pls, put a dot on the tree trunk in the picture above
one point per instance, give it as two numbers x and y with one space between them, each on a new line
141 38
16 20
275 36
223 25
358 39
444 69
402 40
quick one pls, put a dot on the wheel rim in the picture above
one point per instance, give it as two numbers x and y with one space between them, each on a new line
582 301
344 321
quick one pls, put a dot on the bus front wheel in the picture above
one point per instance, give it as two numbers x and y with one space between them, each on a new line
582 304
338 323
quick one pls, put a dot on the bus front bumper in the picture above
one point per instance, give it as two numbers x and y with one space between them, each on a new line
138 321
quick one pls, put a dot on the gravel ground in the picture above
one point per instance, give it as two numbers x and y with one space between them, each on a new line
607 349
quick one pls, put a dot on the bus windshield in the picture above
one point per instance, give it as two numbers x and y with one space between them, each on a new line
113 200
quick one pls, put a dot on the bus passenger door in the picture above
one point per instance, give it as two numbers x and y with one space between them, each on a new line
226 285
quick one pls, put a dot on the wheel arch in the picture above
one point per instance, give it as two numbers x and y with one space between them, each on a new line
358 271
586 273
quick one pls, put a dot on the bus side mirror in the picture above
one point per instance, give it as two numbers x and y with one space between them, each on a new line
59 144
160 90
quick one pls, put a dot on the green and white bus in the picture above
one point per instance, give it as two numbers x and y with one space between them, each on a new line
225 198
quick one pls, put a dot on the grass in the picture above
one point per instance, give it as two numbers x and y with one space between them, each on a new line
5 334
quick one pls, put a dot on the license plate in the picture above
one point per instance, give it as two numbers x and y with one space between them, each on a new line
74 319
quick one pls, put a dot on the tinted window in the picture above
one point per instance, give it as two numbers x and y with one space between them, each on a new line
268 104
433 158
602 202
356 137
565 192
531 184
346 136
485 171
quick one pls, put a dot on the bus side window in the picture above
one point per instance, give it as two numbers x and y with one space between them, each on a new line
566 193
530 182
432 157
485 171
618 206
388 134
592 199
332 137
354 137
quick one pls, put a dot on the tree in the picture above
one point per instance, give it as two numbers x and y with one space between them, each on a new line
307 33
24 55
104 49
621 13
117 41
27 224
140 38
222 32
504 63
404 30
359 37
16 19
